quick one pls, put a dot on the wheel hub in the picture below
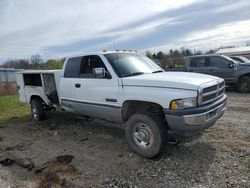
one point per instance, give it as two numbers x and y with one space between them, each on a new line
142 135
244 86
34 111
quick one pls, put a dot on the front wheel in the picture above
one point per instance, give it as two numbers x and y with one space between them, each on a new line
244 85
146 134
37 110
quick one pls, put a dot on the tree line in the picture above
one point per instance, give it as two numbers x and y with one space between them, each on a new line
170 59
174 58
34 62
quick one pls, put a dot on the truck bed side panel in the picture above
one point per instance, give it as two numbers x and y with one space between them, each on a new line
20 86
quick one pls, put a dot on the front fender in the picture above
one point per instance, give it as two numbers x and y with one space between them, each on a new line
160 96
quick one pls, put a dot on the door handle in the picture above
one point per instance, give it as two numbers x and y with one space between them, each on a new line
77 85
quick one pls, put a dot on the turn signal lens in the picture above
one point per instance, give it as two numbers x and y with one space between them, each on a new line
183 103
173 105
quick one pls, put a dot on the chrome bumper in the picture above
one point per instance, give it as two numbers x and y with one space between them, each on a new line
203 118
192 121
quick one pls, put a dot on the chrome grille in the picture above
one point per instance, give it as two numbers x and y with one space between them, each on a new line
211 92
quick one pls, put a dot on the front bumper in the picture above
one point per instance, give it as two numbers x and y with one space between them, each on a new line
191 121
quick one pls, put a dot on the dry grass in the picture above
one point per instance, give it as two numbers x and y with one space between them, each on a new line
8 89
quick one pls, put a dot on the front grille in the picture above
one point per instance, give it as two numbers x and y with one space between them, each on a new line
221 84
211 92
209 97
209 89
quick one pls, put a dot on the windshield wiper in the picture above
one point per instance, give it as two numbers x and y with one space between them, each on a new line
134 74
158 71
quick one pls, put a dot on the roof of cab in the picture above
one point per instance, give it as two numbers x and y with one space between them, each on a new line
101 53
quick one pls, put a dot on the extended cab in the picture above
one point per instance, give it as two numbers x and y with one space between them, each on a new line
127 87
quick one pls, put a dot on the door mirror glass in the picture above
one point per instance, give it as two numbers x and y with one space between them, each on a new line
231 65
99 72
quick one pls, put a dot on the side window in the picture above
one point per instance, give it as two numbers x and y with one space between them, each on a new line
218 62
198 62
88 64
72 68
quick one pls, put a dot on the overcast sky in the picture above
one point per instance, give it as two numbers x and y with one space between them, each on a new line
57 28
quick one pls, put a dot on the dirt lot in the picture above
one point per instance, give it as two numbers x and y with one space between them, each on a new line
220 157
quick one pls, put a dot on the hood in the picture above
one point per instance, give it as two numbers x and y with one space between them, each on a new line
178 80
245 64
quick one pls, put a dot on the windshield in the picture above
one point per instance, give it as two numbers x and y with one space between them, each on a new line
229 58
129 64
237 59
243 59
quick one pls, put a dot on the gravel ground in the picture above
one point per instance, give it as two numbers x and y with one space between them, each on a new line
220 157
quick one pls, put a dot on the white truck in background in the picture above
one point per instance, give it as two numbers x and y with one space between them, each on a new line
127 87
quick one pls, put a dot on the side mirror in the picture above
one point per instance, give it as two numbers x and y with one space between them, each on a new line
231 65
99 72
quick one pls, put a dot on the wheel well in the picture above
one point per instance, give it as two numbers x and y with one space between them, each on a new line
132 106
36 97
244 75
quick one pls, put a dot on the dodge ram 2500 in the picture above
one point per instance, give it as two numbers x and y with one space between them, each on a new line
127 87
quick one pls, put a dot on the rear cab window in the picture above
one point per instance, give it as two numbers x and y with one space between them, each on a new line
72 68
198 62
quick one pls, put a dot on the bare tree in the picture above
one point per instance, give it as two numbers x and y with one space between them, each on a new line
36 59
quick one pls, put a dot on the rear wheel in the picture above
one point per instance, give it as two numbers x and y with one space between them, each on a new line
146 134
244 85
37 110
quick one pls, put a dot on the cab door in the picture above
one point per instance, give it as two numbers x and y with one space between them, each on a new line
220 67
91 96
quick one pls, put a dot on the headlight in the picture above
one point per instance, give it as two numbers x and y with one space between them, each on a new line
183 103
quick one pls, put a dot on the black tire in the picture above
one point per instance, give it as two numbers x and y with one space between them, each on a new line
155 129
244 85
37 110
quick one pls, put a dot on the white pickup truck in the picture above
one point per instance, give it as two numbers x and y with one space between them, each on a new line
128 87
